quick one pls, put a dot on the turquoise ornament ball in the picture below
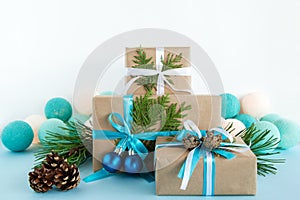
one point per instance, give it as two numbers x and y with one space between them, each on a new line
17 136
107 93
247 120
230 105
58 108
289 132
79 117
51 125
263 125
270 117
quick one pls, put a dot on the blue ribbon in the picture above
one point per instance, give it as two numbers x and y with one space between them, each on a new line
128 140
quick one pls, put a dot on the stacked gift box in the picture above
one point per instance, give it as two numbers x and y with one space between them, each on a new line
189 154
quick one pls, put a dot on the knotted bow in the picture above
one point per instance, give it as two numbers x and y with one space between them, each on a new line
161 79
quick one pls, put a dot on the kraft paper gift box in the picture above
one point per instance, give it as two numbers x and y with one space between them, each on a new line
181 82
232 177
206 113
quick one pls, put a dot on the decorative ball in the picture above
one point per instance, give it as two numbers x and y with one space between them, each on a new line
112 162
80 118
255 104
230 106
263 125
270 118
51 125
17 136
289 133
247 120
58 108
133 164
237 125
35 121
107 93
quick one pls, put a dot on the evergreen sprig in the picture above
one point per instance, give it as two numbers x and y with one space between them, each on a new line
156 114
141 60
74 145
253 137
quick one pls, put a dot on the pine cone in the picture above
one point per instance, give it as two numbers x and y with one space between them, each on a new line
41 179
66 176
53 161
190 141
212 141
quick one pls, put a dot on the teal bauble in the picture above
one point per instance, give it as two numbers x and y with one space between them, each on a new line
289 132
107 93
230 105
17 136
58 108
51 125
270 117
79 117
274 132
247 120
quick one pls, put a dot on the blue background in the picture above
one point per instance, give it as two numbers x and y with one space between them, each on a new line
15 167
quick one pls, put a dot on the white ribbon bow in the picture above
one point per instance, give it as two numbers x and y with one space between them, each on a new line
161 80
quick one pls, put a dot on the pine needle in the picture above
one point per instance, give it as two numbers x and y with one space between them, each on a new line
253 137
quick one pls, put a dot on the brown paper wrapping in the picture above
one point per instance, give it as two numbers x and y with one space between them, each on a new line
180 82
233 177
206 113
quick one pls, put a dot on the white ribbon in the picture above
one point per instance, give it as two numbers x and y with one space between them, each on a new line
161 80
209 173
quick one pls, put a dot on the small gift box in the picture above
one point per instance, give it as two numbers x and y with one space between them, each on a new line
161 70
228 169
204 110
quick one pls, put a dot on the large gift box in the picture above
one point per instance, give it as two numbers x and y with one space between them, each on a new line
230 177
175 70
205 112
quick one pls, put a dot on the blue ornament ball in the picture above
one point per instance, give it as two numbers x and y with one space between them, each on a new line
51 125
263 125
230 106
247 120
112 162
289 132
133 164
17 136
270 117
58 108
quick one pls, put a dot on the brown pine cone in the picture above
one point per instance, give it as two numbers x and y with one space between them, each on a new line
66 176
53 161
41 179
212 141
190 141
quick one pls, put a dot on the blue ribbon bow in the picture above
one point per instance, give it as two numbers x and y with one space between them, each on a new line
128 141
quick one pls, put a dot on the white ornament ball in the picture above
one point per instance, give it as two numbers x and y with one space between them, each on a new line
256 104
35 121
237 125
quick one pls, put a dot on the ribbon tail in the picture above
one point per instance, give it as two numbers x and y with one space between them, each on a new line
149 177
209 169
97 175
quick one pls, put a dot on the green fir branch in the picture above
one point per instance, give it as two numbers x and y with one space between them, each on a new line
265 163
73 145
157 114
